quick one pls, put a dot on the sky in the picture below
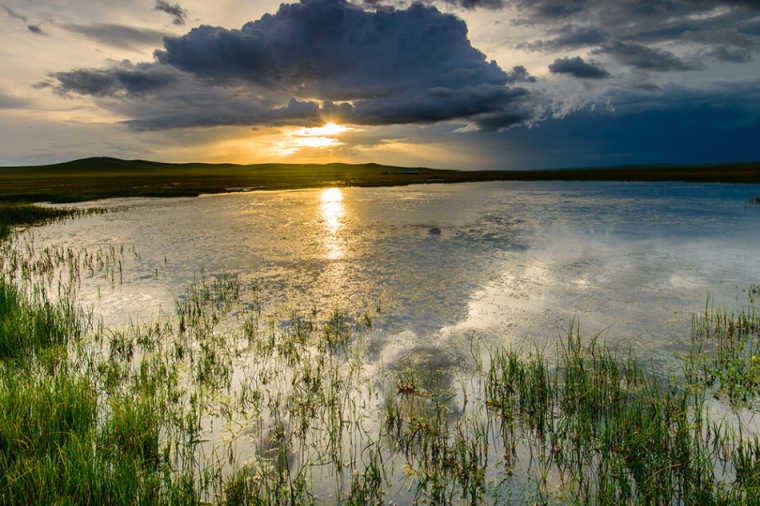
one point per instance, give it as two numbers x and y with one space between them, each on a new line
460 84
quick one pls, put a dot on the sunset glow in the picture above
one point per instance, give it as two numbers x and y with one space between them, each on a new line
328 129
332 213
314 138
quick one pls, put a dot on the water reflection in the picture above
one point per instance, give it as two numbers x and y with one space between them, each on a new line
333 213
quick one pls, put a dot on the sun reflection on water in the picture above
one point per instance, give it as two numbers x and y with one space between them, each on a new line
333 213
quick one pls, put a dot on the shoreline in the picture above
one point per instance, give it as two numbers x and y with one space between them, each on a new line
93 179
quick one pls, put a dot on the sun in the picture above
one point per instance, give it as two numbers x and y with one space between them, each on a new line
331 195
325 136
326 130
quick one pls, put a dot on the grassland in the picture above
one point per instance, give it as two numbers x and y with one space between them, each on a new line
221 403
94 178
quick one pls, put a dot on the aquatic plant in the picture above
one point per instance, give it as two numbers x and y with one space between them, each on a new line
725 351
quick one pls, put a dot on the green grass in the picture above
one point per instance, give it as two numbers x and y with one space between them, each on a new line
93 178
14 214
615 433
725 351
29 324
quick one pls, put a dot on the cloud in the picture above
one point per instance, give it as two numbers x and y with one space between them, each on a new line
33 28
120 36
576 67
11 102
732 54
174 10
475 4
570 37
646 58
333 50
465 4
635 32
124 79
14 14
312 60
519 74
653 126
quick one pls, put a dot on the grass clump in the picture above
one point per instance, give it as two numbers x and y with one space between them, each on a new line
13 214
54 449
611 432
30 323
725 351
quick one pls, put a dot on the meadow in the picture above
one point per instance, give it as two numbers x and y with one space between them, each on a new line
94 178
223 403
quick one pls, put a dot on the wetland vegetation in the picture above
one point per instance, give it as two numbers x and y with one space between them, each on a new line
220 402
14 214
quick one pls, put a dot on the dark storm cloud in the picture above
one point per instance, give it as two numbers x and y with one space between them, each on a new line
215 108
124 79
750 28
339 61
121 36
474 4
337 51
576 67
672 126
519 74
646 58
633 31
570 37
174 10
732 54
465 4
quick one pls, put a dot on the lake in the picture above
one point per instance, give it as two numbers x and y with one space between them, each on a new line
518 262
430 280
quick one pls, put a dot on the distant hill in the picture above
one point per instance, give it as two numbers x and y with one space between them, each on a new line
102 177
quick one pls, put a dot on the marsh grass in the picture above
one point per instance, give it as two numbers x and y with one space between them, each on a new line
20 214
614 432
223 403
725 351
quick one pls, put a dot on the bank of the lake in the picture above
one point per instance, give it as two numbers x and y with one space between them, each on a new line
96 178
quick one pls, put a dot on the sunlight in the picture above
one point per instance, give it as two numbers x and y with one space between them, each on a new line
315 142
332 195
316 137
332 213
325 130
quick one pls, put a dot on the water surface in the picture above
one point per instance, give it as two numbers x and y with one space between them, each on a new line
513 262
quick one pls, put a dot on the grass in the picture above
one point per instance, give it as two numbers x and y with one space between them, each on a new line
614 432
13 214
31 324
725 351
94 178
221 403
